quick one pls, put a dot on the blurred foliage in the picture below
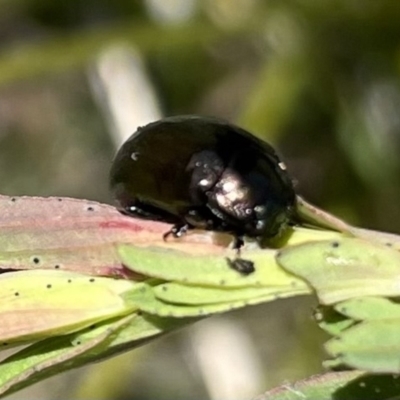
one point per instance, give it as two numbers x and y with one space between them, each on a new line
319 79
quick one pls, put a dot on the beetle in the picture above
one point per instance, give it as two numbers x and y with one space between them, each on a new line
203 172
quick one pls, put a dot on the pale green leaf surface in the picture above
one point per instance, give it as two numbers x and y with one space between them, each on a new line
192 279
54 355
387 239
345 268
35 304
43 359
298 235
368 308
331 321
195 295
372 345
145 300
335 328
173 265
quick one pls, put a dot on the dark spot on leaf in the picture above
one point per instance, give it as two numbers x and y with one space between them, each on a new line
222 282
69 280
16 294
91 280
335 244
48 286
90 208
389 244
139 313
78 342
57 266
164 288
244 267
13 199
60 199
36 260
5 344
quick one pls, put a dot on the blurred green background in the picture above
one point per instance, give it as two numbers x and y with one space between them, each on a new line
317 79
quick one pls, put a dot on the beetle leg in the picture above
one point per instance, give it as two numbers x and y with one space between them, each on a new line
238 243
244 267
176 231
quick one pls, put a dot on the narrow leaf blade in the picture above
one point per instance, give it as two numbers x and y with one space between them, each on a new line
176 266
345 268
372 346
36 304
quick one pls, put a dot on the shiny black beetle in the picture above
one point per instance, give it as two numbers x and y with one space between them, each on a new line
194 171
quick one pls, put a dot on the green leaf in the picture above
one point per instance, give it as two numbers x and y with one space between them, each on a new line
348 385
176 266
369 308
309 214
82 236
39 361
331 321
36 304
372 346
145 299
54 355
345 268
194 295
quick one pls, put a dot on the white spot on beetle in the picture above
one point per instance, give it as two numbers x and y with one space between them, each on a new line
282 166
232 188
260 225
204 182
259 209
229 186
